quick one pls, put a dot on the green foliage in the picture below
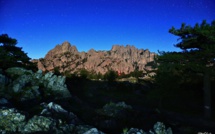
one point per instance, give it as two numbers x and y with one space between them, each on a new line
84 73
13 56
95 76
136 73
197 55
200 37
184 70
110 76
111 109
197 43
57 71
125 130
99 76
7 41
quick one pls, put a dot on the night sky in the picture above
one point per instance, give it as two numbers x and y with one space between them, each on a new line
39 25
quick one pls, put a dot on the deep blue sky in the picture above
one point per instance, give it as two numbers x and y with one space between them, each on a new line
39 25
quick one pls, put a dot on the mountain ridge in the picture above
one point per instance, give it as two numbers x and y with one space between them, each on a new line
123 59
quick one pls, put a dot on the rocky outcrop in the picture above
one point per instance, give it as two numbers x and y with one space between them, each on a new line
11 120
52 118
112 114
57 112
15 121
25 85
159 128
124 59
113 109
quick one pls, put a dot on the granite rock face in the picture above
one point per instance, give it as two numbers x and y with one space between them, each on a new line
39 124
11 120
15 121
54 110
26 85
124 59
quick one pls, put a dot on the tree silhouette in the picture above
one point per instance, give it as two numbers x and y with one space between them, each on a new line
110 76
11 55
198 55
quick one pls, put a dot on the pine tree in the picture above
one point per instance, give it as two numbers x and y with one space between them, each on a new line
11 55
198 55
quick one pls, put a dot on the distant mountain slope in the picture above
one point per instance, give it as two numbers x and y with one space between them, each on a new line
124 59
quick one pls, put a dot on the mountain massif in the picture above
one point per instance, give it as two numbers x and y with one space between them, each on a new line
123 59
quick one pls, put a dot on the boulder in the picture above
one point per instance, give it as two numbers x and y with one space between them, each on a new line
52 120
38 74
113 109
86 129
21 82
112 114
14 121
28 85
11 120
32 93
160 128
56 111
56 84
93 131
39 124
134 131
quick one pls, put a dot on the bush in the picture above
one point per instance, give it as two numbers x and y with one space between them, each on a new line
111 76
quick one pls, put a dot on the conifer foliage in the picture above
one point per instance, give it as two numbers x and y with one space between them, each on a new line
11 55
197 55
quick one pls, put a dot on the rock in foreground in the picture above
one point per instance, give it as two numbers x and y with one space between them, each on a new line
24 85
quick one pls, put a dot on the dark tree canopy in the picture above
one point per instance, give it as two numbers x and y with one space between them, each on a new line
11 55
197 44
200 37
7 41
110 76
197 56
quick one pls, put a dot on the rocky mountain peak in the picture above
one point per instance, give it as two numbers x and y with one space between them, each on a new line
124 59
65 47
91 51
